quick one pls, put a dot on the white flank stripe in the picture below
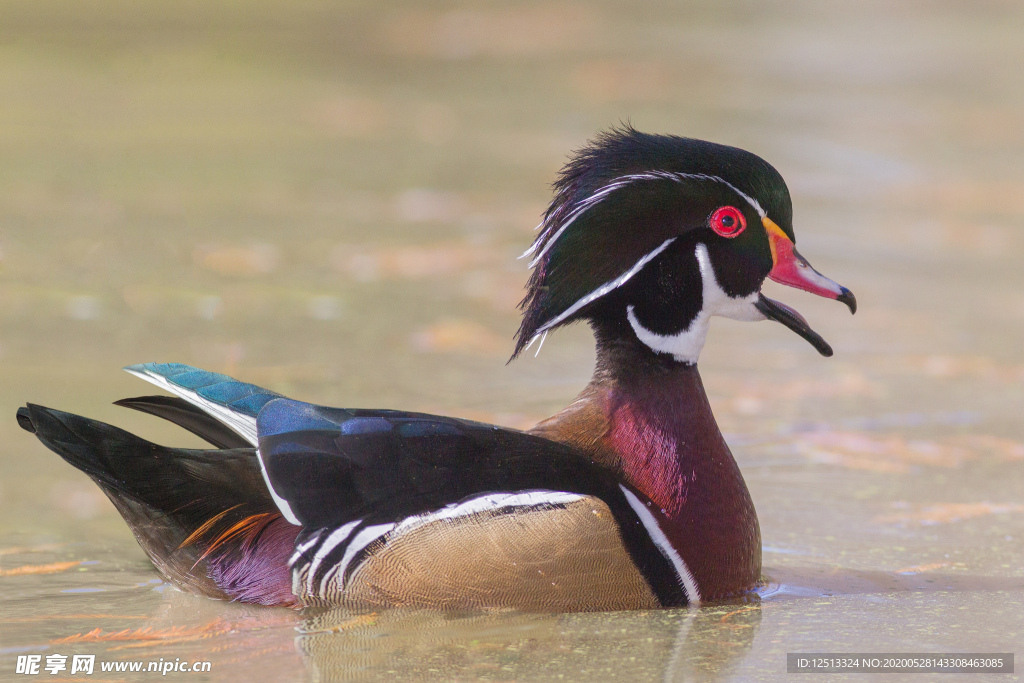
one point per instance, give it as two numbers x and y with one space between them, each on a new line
660 540
330 543
310 542
334 572
489 502
331 573
304 547
296 585
606 287
361 540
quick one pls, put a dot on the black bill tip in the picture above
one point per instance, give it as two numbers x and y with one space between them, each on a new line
25 420
773 310
849 299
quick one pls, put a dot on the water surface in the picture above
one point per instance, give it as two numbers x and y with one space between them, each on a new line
328 201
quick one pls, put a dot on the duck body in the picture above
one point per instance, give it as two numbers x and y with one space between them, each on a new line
372 508
627 499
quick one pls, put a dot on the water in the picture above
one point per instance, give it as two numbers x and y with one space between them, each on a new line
329 201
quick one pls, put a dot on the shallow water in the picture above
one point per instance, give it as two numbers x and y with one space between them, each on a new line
328 201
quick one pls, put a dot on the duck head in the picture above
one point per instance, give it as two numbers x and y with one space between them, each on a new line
649 236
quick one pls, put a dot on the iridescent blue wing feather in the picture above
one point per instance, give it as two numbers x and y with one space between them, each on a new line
234 403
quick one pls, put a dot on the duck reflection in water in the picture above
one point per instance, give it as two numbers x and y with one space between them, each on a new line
682 644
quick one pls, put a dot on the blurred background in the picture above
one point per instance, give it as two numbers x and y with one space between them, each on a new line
328 199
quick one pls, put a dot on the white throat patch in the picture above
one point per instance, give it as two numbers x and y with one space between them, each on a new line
685 346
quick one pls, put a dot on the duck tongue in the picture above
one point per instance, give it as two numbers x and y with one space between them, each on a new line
780 312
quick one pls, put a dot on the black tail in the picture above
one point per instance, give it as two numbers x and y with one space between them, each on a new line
187 416
204 517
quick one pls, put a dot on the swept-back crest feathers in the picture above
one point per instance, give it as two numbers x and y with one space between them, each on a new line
620 201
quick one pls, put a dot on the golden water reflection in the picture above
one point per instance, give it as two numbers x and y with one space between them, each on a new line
660 645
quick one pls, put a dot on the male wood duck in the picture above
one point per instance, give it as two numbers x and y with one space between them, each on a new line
627 499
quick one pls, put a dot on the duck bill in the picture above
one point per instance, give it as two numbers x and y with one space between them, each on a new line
792 269
780 312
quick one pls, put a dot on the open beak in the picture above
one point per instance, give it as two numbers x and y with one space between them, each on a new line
793 269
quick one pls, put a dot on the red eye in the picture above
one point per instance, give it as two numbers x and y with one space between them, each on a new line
727 221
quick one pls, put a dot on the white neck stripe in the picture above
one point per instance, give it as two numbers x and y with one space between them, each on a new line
683 574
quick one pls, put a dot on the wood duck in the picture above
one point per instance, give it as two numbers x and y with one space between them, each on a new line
627 499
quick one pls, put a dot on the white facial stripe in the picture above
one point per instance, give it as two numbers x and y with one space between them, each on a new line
533 247
540 346
584 205
664 545
605 288
615 184
716 301
750 200
685 346
532 339
573 215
